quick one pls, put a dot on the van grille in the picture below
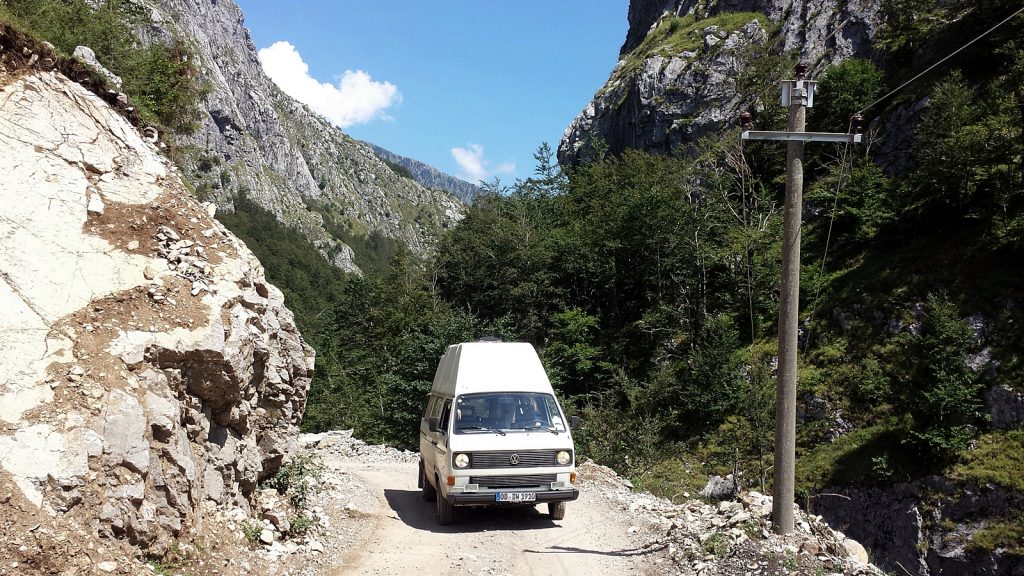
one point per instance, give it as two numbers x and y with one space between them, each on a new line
503 459
522 481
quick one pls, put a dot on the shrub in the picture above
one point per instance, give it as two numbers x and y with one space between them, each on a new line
161 80
298 480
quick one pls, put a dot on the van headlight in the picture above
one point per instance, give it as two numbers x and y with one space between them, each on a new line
461 460
563 458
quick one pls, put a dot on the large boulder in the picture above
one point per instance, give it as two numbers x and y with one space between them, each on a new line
147 365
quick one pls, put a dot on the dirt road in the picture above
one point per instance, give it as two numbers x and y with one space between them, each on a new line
594 539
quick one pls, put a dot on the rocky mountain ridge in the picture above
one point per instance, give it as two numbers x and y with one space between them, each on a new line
683 61
255 140
150 373
429 176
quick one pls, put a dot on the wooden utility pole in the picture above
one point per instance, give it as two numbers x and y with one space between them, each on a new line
789 307
797 95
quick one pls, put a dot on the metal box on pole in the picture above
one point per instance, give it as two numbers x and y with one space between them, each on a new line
798 92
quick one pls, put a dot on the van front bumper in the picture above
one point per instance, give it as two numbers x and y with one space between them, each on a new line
481 498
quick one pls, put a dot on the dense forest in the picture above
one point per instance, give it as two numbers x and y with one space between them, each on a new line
649 283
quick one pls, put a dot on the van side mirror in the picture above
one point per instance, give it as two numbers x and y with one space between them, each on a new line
433 424
574 422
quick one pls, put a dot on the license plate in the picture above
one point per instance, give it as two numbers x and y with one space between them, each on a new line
515 497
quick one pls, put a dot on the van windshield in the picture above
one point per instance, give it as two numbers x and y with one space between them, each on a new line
507 411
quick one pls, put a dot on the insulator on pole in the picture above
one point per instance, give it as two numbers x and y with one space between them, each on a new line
857 124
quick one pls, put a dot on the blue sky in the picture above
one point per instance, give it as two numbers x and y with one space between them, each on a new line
471 87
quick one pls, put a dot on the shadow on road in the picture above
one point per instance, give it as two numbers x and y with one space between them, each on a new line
574 550
418 514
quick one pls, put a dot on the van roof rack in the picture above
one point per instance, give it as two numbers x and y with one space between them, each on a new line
488 339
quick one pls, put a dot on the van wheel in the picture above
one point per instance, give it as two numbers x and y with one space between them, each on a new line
556 510
427 492
445 511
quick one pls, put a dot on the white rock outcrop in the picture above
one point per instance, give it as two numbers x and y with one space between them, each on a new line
146 365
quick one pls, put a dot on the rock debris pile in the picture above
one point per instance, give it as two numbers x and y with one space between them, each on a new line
186 258
341 443
733 537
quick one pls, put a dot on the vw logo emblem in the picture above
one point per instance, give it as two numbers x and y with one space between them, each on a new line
513 459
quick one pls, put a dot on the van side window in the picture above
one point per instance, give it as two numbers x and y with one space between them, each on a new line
446 414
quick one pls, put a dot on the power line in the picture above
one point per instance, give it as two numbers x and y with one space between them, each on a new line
933 66
843 163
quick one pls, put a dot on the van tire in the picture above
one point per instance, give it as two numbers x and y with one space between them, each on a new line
445 510
556 510
427 492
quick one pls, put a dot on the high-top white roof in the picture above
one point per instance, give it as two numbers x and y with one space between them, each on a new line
490 367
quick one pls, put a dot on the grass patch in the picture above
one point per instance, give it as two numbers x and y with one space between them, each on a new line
1007 535
672 479
998 458
869 456
677 34
717 545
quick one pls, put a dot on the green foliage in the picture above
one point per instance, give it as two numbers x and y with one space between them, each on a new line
676 479
706 385
943 394
997 459
302 525
573 358
1006 535
717 544
252 531
861 195
166 568
843 89
298 479
968 155
628 439
400 170
161 80
861 457
384 336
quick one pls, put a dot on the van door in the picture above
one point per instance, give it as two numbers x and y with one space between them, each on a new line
441 444
427 438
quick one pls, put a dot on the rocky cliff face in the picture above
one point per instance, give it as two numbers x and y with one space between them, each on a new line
148 369
925 527
680 69
256 140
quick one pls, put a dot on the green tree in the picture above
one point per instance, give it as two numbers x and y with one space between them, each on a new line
944 394
843 89
572 357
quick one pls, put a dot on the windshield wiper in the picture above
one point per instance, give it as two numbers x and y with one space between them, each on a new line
483 429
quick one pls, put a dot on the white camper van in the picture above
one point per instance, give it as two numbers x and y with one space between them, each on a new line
493 433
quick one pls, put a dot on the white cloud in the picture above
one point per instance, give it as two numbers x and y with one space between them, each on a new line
356 99
475 167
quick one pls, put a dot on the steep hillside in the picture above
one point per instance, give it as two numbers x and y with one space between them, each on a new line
256 141
150 376
911 387
687 68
